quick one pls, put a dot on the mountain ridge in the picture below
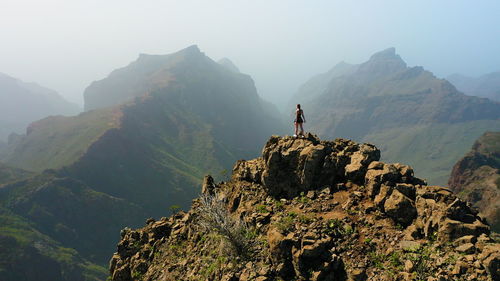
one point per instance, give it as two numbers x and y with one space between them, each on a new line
306 209
486 86
132 158
385 102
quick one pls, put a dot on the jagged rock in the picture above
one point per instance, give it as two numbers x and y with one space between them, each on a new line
467 248
360 160
490 259
208 185
468 239
450 230
290 166
313 210
358 274
400 208
460 268
410 245
409 266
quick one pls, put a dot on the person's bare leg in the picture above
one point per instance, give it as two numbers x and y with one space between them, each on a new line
301 129
296 128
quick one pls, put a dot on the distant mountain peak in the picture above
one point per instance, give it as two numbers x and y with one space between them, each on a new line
388 53
192 48
191 51
383 62
228 64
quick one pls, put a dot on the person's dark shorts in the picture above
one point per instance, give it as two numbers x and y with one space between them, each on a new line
298 120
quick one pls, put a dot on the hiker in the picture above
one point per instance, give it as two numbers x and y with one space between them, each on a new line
299 119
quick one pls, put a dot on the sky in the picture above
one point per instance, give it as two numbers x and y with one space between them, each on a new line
65 45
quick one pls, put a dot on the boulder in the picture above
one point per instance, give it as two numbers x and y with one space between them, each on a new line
400 208
360 160
490 259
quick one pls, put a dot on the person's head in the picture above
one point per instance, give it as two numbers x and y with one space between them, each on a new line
298 106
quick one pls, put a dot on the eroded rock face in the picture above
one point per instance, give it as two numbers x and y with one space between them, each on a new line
316 210
476 177
289 166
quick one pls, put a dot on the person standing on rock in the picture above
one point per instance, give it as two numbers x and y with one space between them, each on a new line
299 120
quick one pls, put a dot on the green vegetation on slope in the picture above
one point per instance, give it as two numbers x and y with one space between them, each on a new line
430 149
411 115
27 254
58 141
69 212
489 144
116 166
10 174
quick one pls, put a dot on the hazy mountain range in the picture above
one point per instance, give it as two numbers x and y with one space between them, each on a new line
22 103
410 114
151 131
486 86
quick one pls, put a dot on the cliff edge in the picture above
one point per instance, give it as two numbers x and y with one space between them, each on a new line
314 210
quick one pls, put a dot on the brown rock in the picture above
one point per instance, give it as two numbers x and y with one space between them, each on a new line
410 246
490 259
400 208
409 266
467 248
208 185
460 268
358 274
360 160
465 240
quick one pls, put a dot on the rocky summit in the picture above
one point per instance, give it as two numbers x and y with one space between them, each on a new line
309 209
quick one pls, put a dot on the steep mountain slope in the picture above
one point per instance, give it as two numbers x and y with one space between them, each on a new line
188 115
17 96
70 212
137 154
10 174
58 141
314 210
476 177
486 86
27 254
406 111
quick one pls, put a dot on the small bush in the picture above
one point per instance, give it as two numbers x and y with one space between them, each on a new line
305 219
334 227
214 216
377 259
262 209
174 209
286 223
280 206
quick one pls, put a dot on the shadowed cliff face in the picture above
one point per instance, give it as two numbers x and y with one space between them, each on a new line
476 177
314 210
411 115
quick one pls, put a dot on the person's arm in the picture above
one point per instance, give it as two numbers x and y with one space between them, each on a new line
303 116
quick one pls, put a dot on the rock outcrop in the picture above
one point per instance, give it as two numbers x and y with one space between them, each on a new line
476 177
314 210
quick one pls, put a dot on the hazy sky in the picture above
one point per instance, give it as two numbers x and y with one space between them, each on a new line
66 44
